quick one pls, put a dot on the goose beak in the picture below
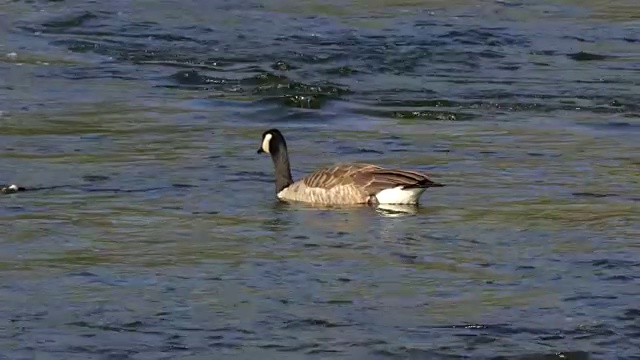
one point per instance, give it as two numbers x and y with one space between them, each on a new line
260 151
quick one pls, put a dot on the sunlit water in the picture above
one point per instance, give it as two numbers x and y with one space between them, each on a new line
152 231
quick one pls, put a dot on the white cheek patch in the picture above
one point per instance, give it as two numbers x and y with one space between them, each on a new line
265 143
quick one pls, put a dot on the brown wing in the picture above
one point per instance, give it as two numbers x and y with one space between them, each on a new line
337 175
371 178
380 179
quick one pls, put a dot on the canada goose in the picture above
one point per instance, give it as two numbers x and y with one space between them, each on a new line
343 184
10 189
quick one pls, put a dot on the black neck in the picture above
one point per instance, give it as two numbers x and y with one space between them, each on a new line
280 159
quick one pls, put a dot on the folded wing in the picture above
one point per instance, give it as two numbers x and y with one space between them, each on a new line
370 178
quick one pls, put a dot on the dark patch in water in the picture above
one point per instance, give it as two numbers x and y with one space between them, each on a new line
544 52
619 278
183 186
543 154
304 101
407 258
171 208
569 355
509 67
577 38
419 103
484 37
349 150
525 267
269 86
206 212
430 115
95 178
83 274
590 297
590 194
409 352
614 264
619 124
284 86
342 71
224 345
630 315
305 323
585 56
192 77
134 326
116 190
70 21
282 66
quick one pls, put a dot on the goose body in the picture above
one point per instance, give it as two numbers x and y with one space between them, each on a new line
343 184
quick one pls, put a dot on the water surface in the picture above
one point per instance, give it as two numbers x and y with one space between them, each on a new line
154 233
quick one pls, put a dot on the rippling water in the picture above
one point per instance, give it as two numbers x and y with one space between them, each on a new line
152 230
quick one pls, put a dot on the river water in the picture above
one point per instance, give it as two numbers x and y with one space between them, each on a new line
152 231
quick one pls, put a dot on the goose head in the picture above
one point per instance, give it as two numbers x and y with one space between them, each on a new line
273 143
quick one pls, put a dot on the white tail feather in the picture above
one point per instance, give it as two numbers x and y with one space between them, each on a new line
398 195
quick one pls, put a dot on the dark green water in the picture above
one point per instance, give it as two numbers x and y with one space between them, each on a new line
155 234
